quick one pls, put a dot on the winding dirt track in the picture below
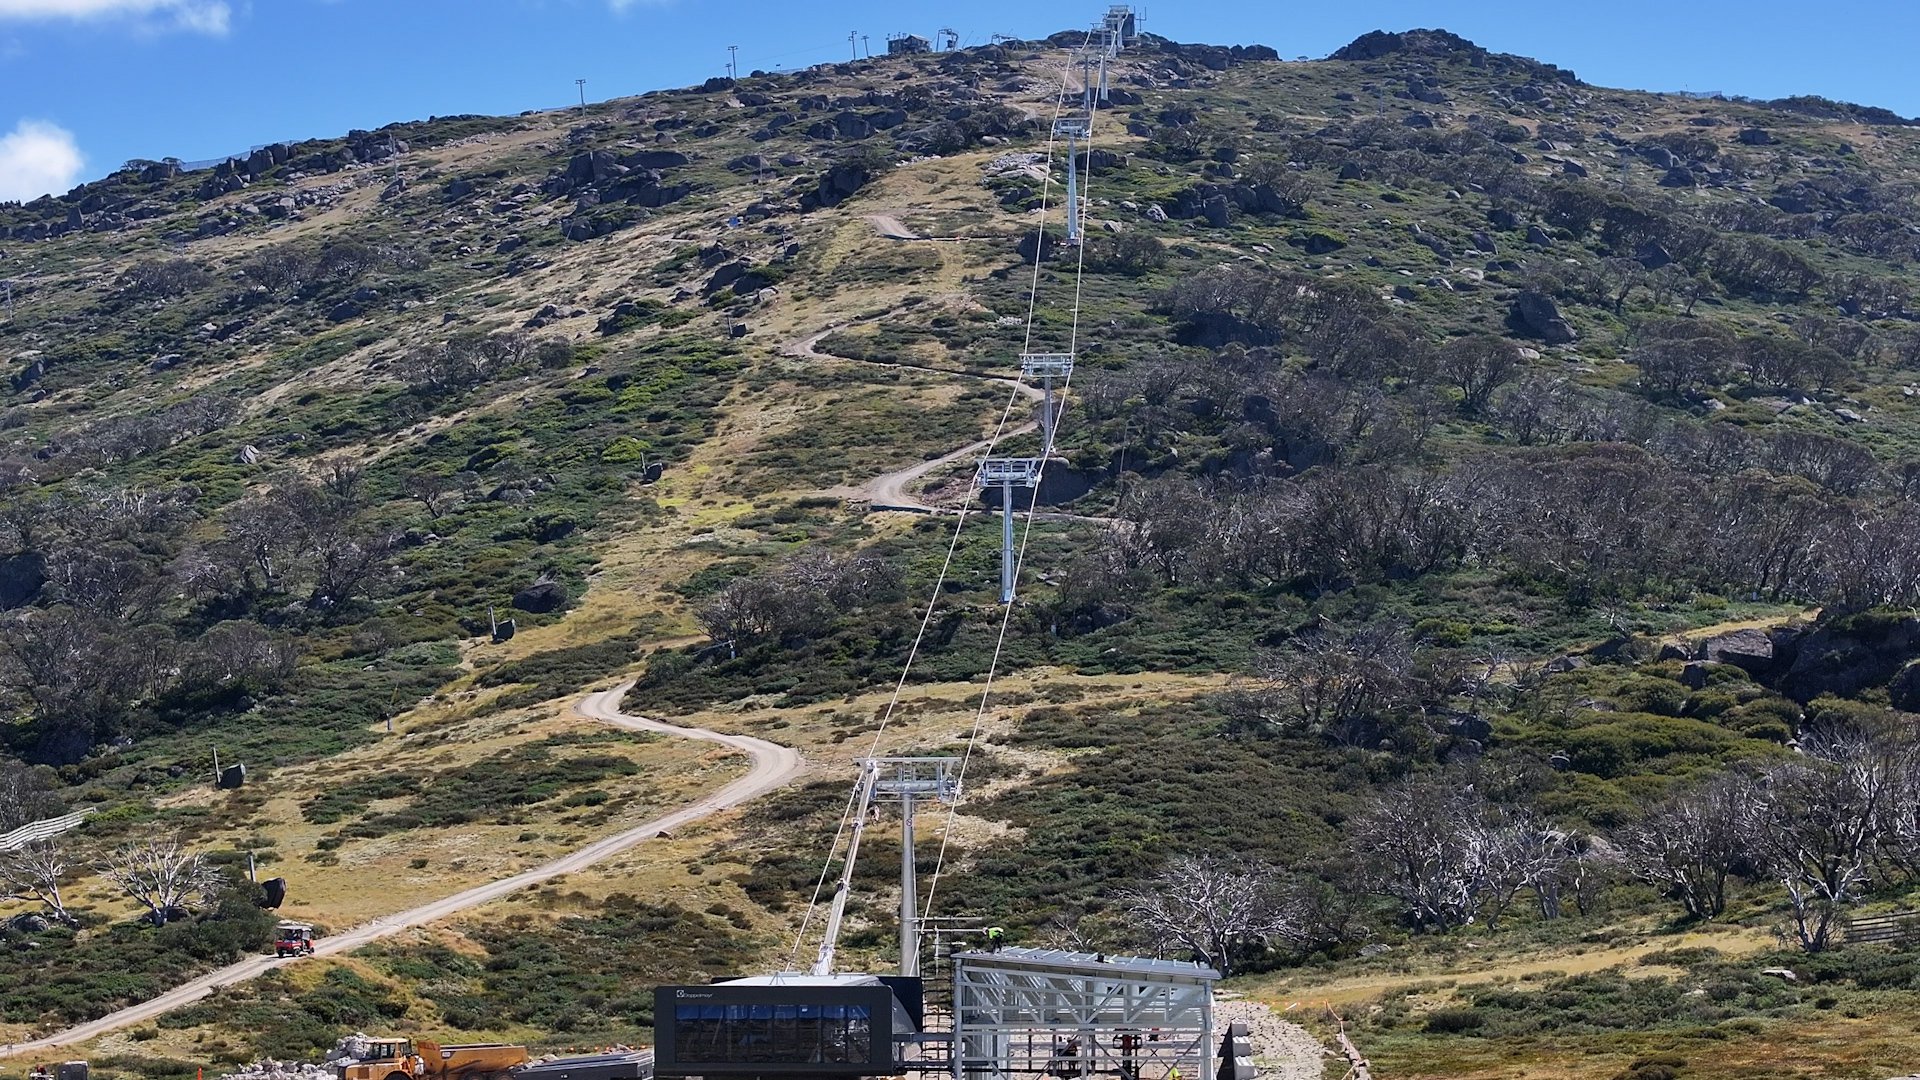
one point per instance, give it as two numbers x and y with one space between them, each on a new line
773 766
893 491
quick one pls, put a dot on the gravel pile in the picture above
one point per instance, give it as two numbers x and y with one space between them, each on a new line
1022 164
353 1047
280 1070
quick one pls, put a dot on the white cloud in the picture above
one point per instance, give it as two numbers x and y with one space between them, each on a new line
201 16
37 158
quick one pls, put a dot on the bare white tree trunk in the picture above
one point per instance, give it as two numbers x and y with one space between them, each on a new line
159 874
1211 907
33 872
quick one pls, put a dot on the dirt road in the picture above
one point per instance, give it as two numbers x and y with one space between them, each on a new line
892 491
773 766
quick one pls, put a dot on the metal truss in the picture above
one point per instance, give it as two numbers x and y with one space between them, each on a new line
1068 1014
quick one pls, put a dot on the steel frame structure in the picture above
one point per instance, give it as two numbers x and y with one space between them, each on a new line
1076 130
1047 367
1009 473
1120 18
907 780
1068 1014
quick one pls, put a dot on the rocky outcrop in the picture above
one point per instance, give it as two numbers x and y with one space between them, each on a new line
1442 45
838 185
738 276
1851 654
1749 650
541 597
1536 315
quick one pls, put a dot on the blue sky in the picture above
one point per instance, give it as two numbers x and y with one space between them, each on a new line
87 84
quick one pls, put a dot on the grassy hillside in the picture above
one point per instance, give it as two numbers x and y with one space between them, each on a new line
1446 434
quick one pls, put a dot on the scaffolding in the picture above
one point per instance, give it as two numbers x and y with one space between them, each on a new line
1073 1014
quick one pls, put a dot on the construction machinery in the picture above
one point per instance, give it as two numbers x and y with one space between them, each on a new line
407 1059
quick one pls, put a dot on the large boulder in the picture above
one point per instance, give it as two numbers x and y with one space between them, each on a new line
739 276
852 126
21 577
1536 315
1749 650
592 167
541 597
839 183
1321 242
1851 654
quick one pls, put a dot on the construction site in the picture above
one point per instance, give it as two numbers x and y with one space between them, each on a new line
962 1001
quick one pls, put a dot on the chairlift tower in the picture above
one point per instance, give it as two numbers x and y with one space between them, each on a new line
1009 473
1122 25
1076 130
907 780
910 780
1046 367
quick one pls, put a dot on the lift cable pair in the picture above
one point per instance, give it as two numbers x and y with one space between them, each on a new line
1007 472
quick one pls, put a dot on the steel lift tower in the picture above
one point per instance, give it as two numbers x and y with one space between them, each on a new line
1122 25
1009 473
1076 130
909 780
1093 67
1047 367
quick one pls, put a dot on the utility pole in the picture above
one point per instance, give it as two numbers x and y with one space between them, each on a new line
867 44
582 84
853 43
733 61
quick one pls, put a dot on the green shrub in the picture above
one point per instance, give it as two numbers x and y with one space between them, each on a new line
1443 633
1454 1021
624 450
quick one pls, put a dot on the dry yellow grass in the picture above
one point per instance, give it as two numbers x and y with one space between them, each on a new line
1306 990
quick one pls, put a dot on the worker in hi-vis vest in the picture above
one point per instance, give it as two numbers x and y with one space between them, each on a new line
996 937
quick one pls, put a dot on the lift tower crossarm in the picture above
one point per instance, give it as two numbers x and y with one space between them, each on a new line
1047 367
